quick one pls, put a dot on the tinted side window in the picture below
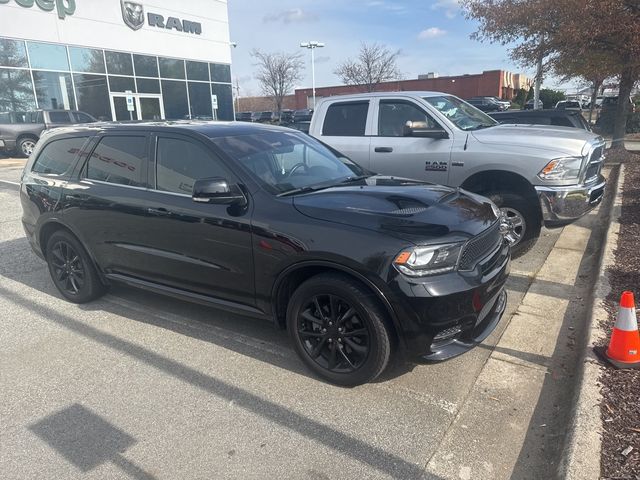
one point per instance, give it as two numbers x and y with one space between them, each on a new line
58 156
346 119
179 163
59 117
393 116
120 160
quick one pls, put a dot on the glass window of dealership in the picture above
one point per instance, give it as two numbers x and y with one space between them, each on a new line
38 75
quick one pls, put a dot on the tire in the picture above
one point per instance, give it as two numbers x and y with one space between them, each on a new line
71 269
25 146
518 207
347 341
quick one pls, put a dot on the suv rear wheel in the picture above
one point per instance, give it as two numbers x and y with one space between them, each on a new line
338 329
71 269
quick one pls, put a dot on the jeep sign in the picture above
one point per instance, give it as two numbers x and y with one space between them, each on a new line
133 16
63 7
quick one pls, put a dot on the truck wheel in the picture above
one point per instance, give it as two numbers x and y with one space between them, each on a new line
26 146
524 217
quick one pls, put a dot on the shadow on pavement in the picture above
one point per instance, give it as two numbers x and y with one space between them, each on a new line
338 441
87 440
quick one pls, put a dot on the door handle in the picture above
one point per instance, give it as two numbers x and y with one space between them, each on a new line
73 197
383 149
158 211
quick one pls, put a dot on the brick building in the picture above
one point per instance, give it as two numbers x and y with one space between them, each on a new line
263 104
498 83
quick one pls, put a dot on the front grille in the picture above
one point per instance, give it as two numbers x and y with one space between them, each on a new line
595 164
479 247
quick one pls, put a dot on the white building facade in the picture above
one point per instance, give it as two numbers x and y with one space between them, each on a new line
117 59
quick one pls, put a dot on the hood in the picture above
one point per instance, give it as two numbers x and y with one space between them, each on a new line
570 141
414 211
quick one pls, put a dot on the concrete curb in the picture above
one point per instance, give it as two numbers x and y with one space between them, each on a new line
581 456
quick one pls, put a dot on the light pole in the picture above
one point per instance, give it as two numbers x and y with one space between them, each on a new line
312 46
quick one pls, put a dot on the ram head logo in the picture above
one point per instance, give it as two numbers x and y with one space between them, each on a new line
132 14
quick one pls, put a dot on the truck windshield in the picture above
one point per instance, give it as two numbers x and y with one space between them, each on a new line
461 114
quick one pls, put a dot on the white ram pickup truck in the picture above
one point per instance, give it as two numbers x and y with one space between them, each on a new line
538 175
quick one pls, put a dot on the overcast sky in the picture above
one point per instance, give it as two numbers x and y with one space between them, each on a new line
432 35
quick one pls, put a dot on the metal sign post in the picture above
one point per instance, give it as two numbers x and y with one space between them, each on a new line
130 105
214 106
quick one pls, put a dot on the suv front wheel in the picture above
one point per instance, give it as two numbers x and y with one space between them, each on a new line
339 330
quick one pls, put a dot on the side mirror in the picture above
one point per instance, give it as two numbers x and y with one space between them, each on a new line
421 129
218 191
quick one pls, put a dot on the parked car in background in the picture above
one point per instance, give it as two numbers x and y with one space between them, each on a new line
505 103
303 115
267 222
559 118
529 104
569 104
486 104
302 126
536 174
266 117
22 137
243 116
612 103
286 116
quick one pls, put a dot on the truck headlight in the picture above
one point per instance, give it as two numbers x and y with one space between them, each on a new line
431 260
565 168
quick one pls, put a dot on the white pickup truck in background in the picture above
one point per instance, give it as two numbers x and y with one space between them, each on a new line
536 174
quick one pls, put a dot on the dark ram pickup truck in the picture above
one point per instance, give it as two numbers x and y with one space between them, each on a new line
23 132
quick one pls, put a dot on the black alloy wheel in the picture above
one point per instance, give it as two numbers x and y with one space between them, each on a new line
71 269
339 329
333 334
68 269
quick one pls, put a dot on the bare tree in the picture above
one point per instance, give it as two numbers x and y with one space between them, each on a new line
375 64
278 73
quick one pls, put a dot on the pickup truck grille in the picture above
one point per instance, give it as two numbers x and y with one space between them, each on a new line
479 247
595 164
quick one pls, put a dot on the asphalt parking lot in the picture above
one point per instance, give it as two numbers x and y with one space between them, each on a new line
140 386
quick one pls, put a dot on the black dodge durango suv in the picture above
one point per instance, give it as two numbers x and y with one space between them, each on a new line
271 223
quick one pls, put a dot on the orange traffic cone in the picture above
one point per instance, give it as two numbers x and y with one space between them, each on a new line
624 346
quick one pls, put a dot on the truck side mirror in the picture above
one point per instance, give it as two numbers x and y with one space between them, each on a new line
421 129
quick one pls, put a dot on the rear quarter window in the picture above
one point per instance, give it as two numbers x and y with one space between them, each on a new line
119 159
58 157
346 119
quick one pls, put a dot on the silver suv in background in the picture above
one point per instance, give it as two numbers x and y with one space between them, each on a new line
536 174
22 130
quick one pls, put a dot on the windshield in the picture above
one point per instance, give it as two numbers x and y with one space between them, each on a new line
460 113
284 162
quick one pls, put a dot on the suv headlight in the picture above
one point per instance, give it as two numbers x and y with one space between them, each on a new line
564 168
431 260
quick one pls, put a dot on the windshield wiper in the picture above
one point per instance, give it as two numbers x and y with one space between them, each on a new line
355 178
307 189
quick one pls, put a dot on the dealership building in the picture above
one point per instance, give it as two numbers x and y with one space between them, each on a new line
117 60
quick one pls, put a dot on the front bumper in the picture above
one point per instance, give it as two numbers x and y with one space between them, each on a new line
563 205
452 348
446 315
7 145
